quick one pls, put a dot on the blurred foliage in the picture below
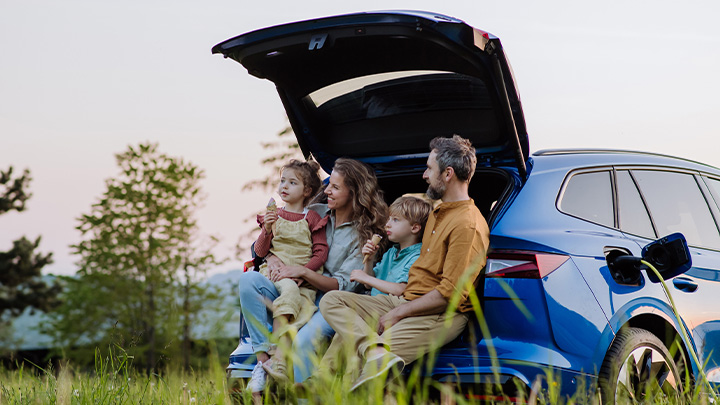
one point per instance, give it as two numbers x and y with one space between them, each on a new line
281 150
140 258
13 191
21 284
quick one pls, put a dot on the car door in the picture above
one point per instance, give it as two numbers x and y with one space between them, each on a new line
654 203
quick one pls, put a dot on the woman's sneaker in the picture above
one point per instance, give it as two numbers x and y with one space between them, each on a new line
258 379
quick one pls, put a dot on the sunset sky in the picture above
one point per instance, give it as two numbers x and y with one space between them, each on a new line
81 80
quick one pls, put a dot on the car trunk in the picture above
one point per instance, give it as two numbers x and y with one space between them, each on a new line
489 188
379 86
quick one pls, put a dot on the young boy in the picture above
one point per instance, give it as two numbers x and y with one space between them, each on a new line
404 228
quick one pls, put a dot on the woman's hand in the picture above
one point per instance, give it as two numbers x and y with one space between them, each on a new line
274 265
359 276
268 220
294 272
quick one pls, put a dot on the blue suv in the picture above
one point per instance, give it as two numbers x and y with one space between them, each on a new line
379 86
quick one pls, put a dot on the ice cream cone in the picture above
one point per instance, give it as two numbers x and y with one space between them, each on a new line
375 240
272 207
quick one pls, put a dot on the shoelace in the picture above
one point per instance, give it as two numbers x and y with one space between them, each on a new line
258 370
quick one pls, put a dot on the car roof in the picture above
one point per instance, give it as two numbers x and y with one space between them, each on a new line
619 157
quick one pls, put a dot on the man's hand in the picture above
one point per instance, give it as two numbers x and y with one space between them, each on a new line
429 304
388 320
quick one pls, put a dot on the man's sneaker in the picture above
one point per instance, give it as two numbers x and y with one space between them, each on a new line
276 368
377 367
258 379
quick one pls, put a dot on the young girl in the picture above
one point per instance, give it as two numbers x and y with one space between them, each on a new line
355 210
296 236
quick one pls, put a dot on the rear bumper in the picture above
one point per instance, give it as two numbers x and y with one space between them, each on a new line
242 360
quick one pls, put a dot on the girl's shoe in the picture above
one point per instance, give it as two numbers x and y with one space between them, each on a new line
257 379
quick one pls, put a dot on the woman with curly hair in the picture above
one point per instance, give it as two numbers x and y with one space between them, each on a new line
353 206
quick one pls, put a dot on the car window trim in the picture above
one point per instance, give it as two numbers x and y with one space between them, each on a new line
708 194
644 202
704 190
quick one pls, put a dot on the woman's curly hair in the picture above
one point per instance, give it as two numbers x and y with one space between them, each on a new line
369 210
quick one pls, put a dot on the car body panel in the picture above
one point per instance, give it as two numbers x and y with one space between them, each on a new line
695 294
578 327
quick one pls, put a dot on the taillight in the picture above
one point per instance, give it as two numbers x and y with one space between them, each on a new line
522 264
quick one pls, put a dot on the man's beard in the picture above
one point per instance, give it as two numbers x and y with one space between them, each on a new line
436 192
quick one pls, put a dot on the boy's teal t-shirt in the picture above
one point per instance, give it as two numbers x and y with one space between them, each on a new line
394 266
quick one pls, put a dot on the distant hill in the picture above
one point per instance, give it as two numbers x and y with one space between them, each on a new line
215 323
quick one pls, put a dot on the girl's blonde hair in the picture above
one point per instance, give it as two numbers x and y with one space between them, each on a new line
309 174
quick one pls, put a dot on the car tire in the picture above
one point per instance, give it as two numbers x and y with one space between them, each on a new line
638 368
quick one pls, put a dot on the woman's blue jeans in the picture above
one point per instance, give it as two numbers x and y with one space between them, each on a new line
255 289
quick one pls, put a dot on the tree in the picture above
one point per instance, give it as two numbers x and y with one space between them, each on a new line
283 149
197 257
21 284
137 243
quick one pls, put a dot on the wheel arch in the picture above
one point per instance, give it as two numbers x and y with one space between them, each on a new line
664 330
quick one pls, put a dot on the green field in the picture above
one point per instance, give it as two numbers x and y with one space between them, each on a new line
114 382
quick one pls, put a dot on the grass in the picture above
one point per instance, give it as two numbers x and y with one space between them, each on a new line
114 381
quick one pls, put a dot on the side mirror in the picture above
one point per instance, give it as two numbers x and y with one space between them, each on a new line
669 255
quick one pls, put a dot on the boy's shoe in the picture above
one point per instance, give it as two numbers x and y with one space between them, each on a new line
257 379
276 368
377 367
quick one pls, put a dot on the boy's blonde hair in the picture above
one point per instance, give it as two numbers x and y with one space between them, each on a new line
415 210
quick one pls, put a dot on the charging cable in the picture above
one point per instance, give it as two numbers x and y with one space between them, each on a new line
682 329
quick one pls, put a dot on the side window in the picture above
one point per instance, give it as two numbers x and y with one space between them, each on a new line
633 215
714 186
677 205
589 196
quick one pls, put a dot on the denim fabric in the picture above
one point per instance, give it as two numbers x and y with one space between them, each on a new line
311 336
254 290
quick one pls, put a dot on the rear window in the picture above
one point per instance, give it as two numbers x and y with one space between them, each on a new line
403 108
589 196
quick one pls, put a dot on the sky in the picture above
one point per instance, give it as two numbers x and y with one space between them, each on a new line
80 80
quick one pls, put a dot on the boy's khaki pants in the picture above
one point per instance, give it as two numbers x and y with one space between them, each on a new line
355 318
